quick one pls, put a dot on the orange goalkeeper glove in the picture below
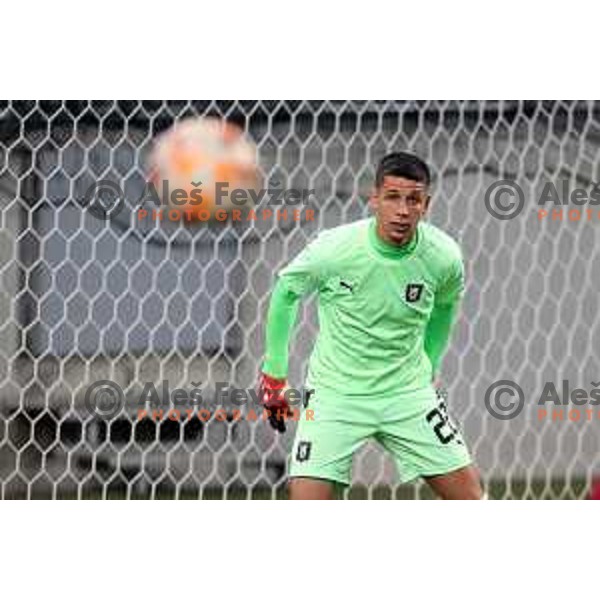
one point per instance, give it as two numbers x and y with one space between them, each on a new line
271 393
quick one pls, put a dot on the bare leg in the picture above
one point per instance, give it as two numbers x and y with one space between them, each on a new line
303 488
462 484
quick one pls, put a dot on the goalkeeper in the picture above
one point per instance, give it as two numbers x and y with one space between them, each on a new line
388 290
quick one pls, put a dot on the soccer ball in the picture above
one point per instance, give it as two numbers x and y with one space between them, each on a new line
208 158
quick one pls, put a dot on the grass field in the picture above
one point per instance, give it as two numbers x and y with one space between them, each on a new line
555 489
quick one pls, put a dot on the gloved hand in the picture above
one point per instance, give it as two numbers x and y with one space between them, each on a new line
271 393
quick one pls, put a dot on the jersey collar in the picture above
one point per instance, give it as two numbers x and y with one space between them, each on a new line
389 250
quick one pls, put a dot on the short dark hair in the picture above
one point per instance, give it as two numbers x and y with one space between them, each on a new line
402 164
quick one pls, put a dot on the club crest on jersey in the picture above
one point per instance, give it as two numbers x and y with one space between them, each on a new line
413 292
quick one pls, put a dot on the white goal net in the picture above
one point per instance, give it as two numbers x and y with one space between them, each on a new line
84 299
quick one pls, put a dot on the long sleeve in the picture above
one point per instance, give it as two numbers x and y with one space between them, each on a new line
300 277
283 310
443 315
439 329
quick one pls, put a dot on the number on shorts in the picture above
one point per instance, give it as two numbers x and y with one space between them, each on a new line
442 426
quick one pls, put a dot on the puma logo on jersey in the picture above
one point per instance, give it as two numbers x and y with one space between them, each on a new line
413 292
347 286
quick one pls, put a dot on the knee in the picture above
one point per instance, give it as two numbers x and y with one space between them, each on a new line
463 484
310 489
474 491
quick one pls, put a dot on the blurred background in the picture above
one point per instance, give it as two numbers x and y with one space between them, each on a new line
84 299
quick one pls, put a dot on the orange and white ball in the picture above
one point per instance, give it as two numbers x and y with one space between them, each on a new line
208 150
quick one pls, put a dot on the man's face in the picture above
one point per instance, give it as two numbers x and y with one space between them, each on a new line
399 204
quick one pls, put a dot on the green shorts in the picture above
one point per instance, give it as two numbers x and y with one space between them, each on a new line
415 429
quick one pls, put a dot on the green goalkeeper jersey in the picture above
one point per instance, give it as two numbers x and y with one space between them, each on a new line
385 312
